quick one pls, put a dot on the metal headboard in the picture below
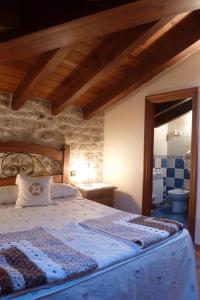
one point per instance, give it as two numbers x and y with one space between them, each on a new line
33 160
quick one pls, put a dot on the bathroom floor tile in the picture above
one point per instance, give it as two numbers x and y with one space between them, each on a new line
164 211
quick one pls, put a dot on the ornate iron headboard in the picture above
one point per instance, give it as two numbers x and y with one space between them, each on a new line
33 160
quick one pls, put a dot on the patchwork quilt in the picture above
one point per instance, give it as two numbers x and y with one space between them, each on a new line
34 257
145 231
60 249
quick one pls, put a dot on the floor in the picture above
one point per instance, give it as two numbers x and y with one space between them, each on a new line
198 268
164 211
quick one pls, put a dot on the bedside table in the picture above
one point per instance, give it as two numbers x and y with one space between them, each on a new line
98 192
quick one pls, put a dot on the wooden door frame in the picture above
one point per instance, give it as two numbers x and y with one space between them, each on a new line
150 102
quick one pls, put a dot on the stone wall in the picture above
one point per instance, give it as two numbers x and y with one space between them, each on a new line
33 123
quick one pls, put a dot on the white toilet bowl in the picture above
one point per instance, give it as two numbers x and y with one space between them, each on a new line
179 198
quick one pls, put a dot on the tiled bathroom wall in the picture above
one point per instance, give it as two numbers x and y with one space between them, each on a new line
174 170
172 145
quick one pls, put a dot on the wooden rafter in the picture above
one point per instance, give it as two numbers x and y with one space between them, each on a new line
44 66
179 42
136 39
173 112
95 25
100 61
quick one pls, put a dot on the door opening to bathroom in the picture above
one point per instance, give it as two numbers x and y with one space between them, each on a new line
170 156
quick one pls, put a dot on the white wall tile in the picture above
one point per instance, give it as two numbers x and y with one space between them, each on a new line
179 173
170 163
158 163
186 184
164 171
170 181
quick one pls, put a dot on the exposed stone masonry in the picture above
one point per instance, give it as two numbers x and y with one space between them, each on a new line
33 123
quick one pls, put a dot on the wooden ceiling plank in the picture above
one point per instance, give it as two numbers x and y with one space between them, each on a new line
124 44
17 65
106 56
7 87
95 25
173 114
43 67
187 36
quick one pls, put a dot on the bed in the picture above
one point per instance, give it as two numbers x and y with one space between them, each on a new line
124 269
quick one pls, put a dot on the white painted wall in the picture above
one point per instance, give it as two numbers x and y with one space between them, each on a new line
179 145
176 145
160 140
124 135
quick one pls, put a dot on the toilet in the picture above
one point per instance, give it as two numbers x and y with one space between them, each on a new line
179 198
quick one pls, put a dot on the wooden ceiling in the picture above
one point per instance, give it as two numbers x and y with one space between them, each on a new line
167 111
93 57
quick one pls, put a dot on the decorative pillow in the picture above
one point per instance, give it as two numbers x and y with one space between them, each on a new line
33 191
8 194
63 190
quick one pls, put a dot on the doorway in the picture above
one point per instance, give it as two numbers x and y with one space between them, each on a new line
160 109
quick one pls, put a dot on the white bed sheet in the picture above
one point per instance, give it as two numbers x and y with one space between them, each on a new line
147 274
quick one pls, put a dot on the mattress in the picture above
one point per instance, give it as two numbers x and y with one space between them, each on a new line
125 271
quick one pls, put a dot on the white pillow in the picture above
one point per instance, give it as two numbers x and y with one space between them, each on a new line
33 191
63 190
8 194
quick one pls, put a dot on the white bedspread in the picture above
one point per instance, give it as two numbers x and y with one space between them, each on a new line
124 270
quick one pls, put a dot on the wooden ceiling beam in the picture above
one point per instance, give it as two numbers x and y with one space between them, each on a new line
173 113
41 70
9 18
100 61
176 44
99 24
126 43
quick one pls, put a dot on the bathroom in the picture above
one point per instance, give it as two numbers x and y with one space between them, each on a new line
171 169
